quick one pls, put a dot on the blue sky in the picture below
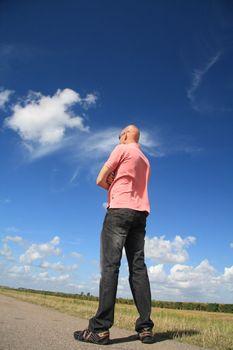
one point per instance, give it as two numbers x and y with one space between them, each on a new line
72 75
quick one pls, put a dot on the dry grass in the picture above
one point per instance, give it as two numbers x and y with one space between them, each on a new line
206 329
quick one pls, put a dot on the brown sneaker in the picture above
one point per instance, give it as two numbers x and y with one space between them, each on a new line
146 336
101 338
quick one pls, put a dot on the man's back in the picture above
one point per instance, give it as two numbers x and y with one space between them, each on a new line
132 170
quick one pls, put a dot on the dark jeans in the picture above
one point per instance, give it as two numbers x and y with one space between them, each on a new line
123 228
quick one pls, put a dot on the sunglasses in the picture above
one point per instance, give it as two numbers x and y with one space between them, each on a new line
123 133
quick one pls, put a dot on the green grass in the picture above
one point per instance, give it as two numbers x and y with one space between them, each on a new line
205 329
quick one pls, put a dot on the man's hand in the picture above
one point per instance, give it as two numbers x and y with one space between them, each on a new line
105 178
110 178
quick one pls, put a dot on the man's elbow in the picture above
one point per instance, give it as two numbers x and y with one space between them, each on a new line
98 181
101 183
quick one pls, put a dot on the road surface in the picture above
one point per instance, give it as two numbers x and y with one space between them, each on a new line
25 326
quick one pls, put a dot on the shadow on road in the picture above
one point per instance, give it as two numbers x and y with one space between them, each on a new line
124 339
158 337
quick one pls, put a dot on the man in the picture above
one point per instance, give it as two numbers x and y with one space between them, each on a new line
125 175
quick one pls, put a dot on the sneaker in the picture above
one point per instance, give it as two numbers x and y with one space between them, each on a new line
146 336
101 338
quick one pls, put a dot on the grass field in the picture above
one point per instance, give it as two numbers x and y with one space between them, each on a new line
205 329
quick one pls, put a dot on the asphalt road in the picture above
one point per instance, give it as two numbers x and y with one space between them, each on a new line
25 326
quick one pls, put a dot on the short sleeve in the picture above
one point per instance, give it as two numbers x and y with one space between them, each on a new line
115 158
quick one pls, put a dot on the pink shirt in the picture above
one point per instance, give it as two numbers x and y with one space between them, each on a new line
132 171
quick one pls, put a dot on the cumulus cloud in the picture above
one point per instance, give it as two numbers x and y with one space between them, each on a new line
178 281
186 276
43 121
6 251
4 97
181 282
165 251
228 276
184 282
157 273
198 76
48 275
39 251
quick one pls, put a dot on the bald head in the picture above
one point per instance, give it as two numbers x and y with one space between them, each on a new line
130 134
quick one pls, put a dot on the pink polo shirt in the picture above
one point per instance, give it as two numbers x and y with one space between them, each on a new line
132 171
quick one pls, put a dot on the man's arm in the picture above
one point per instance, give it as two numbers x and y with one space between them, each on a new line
105 177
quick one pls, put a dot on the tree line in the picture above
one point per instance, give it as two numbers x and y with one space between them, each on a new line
211 307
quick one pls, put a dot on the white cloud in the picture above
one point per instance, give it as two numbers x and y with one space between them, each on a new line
43 121
181 282
185 276
228 275
55 240
45 277
60 278
75 255
14 271
74 176
231 245
198 76
58 266
153 145
89 100
191 283
6 252
28 275
11 229
201 283
4 97
47 124
15 239
92 149
105 205
99 144
39 251
166 251
157 273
